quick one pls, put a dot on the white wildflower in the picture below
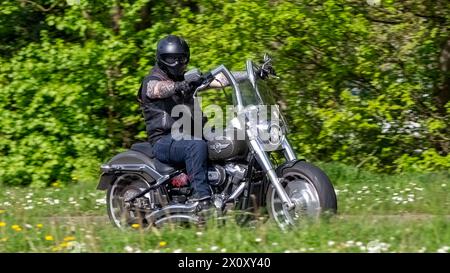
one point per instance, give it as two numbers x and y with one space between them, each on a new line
444 249
376 246
101 201
128 249
214 248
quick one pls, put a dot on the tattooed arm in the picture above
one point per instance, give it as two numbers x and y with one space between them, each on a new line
159 89
156 89
221 81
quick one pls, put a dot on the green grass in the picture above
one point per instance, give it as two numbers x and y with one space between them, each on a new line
377 213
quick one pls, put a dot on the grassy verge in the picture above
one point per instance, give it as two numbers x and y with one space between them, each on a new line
59 219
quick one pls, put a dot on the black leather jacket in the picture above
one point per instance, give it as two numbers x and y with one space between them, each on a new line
158 98
157 110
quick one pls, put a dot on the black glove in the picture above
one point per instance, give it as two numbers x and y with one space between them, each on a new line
186 88
196 82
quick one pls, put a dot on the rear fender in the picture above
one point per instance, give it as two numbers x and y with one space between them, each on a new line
130 158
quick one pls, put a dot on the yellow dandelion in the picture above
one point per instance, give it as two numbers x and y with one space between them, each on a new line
56 184
49 238
39 225
69 238
135 225
2 211
16 227
4 239
2 224
162 244
63 245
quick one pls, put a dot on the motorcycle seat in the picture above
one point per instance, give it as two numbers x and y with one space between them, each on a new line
147 149
143 147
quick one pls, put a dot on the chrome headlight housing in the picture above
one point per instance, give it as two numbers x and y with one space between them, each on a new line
268 129
270 135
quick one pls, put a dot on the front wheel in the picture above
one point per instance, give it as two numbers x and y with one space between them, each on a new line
308 187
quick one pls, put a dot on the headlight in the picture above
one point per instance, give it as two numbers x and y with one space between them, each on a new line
269 129
270 135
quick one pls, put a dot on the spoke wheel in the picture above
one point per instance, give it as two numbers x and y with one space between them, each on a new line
121 213
309 189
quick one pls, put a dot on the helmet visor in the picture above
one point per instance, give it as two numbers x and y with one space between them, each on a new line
174 59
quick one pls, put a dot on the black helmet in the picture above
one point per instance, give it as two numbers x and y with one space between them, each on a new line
172 56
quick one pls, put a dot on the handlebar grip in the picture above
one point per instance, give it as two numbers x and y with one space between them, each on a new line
208 77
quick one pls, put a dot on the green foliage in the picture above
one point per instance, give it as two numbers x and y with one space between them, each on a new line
361 84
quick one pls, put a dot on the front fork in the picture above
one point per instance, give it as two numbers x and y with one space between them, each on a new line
264 162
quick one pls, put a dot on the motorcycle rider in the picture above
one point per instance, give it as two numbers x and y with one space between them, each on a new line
163 89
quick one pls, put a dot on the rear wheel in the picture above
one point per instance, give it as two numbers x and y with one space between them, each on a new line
309 188
122 214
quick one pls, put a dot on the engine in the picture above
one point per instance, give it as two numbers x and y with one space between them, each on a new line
221 176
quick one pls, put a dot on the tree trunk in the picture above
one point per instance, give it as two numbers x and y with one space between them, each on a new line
116 16
443 90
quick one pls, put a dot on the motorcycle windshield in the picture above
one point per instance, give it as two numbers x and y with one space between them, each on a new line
260 94
255 91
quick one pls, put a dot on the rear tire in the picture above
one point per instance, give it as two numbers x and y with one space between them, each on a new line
309 188
124 187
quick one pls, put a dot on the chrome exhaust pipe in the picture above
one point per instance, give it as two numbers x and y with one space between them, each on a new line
169 211
180 218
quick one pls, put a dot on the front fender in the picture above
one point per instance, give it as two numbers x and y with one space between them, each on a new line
279 171
287 164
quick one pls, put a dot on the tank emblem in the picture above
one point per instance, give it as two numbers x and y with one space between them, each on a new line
219 146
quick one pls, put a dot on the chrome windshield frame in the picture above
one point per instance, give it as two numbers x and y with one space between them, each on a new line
252 79
232 81
237 91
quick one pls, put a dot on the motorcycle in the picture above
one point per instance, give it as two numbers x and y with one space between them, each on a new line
242 173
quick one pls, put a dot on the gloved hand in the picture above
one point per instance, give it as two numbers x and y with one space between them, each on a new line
187 88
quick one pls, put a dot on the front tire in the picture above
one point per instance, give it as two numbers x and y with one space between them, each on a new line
308 187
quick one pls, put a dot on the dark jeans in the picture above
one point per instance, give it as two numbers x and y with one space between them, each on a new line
193 153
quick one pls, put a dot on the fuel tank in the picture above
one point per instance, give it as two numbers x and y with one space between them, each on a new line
227 148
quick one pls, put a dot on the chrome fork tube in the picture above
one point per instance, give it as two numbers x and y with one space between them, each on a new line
288 151
265 163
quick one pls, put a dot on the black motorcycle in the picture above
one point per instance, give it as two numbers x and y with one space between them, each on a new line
242 172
